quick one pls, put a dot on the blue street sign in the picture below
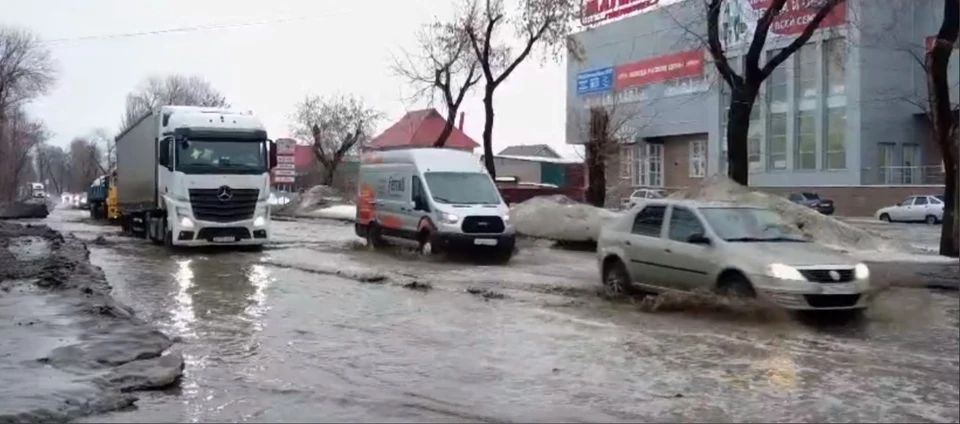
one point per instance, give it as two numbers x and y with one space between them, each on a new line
595 81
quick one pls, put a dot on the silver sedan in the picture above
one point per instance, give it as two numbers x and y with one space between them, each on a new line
667 244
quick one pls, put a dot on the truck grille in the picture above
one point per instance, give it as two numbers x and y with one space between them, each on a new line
823 275
209 205
482 224
209 233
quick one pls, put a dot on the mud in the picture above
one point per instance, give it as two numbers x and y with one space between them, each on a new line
68 348
316 328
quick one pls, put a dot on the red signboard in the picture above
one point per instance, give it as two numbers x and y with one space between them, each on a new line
796 14
596 11
659 69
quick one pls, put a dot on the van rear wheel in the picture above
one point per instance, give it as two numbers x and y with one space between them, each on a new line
373 236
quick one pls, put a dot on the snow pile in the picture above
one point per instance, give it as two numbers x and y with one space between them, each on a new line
316 198
340 212
812 224
559 218
34 208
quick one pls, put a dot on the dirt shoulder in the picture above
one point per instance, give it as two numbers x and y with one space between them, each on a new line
68 348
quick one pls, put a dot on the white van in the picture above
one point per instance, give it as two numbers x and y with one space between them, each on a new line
439 198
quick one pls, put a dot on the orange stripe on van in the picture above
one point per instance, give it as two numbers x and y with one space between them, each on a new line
390 222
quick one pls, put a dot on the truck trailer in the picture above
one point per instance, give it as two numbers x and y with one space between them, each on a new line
195 176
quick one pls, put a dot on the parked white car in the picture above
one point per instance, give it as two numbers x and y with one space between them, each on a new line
643 194
922 208
680 245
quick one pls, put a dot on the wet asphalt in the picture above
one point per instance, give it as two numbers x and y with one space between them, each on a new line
317 328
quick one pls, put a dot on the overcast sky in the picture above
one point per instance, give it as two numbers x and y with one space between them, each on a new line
318 46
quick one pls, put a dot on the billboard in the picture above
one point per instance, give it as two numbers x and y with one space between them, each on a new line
596 81
598 11
659 69
739 18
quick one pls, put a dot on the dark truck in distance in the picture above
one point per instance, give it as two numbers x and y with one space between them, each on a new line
813 201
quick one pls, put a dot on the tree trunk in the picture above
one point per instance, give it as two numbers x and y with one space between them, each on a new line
597 147
938 90
738 127
329 173
447 130
488 132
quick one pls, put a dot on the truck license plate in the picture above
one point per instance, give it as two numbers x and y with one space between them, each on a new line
224 239
485 242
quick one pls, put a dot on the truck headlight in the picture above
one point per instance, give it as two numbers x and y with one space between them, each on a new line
861 272
449 218
784 272
259 221
186 222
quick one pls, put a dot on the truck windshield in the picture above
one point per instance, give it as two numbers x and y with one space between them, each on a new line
462 188
221 157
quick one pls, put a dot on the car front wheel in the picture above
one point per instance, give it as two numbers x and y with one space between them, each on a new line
616 279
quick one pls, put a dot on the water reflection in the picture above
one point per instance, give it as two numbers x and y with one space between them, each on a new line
183 315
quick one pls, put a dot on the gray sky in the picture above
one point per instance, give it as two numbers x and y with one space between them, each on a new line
321 46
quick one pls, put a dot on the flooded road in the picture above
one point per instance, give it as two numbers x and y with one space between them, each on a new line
317 328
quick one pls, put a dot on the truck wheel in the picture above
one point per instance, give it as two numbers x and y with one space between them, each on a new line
168 238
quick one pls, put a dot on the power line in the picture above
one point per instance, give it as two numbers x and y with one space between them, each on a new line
186 29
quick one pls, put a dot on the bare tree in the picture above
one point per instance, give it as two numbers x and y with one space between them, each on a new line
444 67
53 165
944 117
335 126
26 72
178 90
537 22
84 163
745 88
105 142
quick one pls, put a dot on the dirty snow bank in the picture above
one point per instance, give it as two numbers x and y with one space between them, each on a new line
68 348
815 226
559 218
318 202
24 209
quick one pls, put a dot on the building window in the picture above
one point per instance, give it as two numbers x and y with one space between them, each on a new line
806 145
835 153
806 77
646 164
885 162
911 164
627 163
835 65
777 141
776 87
698 159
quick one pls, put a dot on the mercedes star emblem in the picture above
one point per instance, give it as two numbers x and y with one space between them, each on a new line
224 193
835 275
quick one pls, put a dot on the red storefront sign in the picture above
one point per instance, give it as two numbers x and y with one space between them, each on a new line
596 11
797 14
659 69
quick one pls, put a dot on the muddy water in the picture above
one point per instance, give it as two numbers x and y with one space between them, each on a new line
302 332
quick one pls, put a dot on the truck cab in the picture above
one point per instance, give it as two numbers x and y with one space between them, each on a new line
207 172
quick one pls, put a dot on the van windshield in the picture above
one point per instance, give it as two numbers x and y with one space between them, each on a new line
462 188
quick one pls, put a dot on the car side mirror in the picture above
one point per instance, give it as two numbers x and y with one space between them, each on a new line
273 154
164 159
698 238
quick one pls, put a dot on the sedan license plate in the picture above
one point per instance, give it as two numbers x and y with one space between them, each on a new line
485 242
224 239
838 289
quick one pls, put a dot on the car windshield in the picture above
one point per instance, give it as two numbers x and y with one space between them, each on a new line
811 196
749 225
221 157
462 188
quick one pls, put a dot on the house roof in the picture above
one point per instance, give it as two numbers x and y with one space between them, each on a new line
420 128
530 150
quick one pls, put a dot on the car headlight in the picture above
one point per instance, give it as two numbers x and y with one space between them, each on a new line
861 272
449 218
784 272
259 221
186 222
506 218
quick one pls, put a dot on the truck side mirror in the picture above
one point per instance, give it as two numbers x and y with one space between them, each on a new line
273 154
164 159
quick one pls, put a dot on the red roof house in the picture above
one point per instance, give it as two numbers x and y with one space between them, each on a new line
420 128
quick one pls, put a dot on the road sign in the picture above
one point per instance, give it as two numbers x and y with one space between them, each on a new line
285 172
286 159
282 179
596 81
286 166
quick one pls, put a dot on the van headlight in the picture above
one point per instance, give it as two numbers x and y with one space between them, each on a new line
861 272
784 272
505 218
449 218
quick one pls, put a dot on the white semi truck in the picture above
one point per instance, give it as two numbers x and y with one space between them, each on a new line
195 176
